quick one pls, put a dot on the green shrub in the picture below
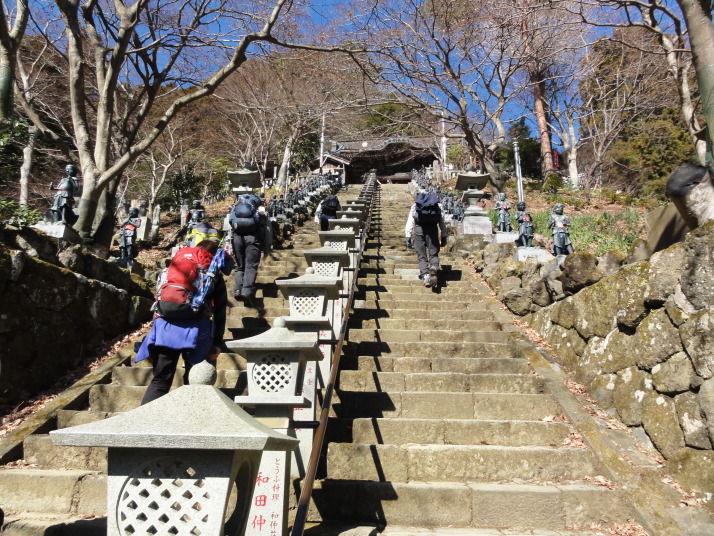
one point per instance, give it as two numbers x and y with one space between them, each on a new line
15 214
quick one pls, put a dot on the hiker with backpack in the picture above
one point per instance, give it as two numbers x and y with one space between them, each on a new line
190 315
326 211
252 234
425 220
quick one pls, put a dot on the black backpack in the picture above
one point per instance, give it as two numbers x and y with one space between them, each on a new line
244 218
330 205
427 209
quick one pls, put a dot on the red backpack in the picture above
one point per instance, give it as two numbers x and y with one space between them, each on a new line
176 290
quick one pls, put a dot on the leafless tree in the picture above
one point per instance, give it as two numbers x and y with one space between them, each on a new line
12 30
134 66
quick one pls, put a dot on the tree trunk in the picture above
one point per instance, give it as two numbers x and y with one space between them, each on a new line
701 37
285 165
546 156
28 153
6 85
105 216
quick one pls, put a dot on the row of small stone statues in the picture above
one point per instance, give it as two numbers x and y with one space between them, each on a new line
559 223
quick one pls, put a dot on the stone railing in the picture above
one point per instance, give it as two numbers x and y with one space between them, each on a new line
641 339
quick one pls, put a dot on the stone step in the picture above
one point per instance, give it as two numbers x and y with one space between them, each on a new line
76 492
117 398
38 449
143 375
459 432
482 365
359 380
455 307
456 463
447 531
399 296
441 349
428 335
434 405
26 524
483 505
427 313
425 324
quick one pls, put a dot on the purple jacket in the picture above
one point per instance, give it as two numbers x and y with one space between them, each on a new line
194 337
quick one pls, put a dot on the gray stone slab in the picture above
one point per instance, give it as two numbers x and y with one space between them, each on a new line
59 230
502 237
542 255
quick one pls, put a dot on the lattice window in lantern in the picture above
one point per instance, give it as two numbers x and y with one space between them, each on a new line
164 496
336 244
326 266
272 373
306 302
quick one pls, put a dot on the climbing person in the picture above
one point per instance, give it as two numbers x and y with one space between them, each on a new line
252 234
326 211
202 231
425 220
190 315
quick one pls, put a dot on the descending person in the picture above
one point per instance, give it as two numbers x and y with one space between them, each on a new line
326 211
252 234
190 315
424 221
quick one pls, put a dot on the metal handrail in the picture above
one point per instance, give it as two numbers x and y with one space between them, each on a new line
318 440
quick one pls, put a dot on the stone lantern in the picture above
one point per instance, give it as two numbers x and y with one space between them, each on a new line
312 300
276 367
172 463
330 262
342 241
347 224
349 212
475 220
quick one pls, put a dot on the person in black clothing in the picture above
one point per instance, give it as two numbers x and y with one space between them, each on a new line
326 211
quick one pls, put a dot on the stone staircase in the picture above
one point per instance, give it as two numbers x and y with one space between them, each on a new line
446 425
62 490
440 426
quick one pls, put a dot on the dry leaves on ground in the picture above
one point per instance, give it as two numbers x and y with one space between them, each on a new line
574 441
688 499
17 464
599 480
555 418
630 529
105 351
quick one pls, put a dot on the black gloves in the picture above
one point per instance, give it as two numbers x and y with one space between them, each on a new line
443 242
408 241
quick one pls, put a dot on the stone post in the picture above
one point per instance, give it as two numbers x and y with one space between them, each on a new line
173 462
155 223
276 367
311 298
342 241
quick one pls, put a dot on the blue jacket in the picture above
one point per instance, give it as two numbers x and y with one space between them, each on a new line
194 337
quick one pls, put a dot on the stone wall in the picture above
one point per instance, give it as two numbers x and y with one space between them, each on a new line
52 317
641 339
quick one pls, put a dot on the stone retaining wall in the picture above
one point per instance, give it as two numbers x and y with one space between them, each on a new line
641 339
52 317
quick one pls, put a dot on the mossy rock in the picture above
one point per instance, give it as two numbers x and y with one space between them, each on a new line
656 339
580 270
631 386
697 277
48 286
694 470
697 334
660 421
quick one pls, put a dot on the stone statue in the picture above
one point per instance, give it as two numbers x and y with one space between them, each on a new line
127 238
525 225
504 218
196 214
64 198
560 224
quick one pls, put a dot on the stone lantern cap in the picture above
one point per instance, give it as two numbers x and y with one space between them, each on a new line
311 280
327 238
471 180
278 338
243 179
196 417
327 261
344 223
354 213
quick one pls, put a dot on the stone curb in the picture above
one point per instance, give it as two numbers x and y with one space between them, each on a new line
11 445
650 498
